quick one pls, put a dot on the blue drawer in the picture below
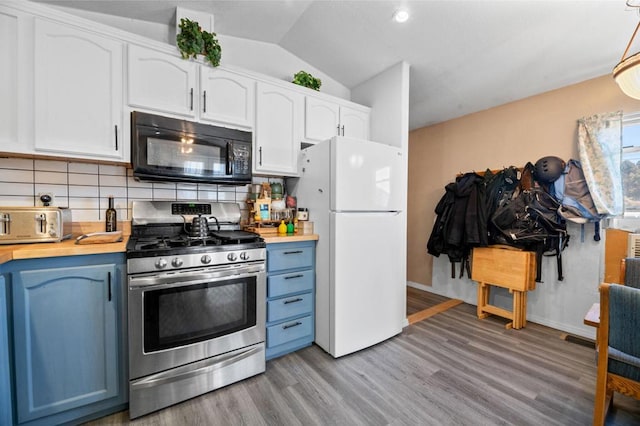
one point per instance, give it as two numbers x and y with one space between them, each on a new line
293 282
288 331
290 258
289 306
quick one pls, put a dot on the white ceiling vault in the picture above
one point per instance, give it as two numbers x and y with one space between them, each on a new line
465 56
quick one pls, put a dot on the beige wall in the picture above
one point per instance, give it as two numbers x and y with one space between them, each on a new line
511 134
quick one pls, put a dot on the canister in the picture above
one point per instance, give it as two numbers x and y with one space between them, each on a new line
303 213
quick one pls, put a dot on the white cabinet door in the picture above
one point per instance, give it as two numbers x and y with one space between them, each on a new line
161 82
354 123
78 93
277 133
226 97
8 82
322 119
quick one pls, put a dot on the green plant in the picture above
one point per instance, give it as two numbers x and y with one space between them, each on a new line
307 80
192 41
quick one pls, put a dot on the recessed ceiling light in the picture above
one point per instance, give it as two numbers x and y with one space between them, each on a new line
401 15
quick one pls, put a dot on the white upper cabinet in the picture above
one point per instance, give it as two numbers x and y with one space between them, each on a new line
77 93
227 97
325 119
161 82
354 123
322 119
278 130
8 83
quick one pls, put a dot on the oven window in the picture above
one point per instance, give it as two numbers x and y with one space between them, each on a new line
189 314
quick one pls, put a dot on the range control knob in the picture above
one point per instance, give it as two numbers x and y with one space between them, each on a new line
232 257
161 263
206 259
176 262
244 255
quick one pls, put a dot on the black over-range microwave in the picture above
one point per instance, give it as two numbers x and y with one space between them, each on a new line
169 149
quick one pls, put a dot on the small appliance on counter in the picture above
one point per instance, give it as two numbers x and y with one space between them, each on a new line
34 224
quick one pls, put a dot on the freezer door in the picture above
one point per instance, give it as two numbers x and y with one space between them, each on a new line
366 176
367 280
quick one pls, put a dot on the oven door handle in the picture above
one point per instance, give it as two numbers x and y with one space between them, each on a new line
201 367
191 278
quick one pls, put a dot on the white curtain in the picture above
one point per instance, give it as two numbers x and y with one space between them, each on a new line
600 150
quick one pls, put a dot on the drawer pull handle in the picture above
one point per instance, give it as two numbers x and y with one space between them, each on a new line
297 299
293 252
295 324
290 277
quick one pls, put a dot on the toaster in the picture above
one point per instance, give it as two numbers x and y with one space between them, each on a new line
34 224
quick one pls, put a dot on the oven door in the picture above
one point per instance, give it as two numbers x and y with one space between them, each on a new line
177 318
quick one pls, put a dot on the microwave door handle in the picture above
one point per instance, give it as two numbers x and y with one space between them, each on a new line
229 168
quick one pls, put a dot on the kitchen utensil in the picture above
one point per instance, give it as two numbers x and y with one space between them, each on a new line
199 227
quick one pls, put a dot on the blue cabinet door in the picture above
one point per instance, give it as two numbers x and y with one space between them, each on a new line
5 374
66 338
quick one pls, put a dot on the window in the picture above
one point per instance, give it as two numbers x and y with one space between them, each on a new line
631 164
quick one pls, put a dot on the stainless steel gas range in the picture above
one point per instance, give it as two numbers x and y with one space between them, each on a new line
197 291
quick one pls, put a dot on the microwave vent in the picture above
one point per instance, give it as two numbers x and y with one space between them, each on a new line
633 246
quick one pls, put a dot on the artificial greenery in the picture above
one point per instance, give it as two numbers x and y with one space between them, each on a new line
192 41
307 80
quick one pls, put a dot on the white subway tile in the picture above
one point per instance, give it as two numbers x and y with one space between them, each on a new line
207 195
50 166
83 203
104 169
164 185
116 191
118 203
187 186
207 187
19 189
51 177
84 191
164 194
140 193
56 190
86 168
14 175
16 200
83 179
187 195
106 180
16 163
57 202
226 196
82 215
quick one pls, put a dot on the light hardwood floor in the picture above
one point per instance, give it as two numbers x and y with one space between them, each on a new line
449 369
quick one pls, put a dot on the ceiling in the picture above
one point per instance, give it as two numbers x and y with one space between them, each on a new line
465 56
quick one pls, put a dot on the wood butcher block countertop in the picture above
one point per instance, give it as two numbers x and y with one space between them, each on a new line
67 247
70 248
290 238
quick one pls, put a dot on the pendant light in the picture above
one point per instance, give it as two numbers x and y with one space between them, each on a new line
627 72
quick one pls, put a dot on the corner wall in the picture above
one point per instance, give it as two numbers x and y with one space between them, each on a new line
510 134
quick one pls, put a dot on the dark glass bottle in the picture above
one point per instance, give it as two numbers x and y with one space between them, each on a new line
111 217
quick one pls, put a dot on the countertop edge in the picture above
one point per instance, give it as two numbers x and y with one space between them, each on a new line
290 238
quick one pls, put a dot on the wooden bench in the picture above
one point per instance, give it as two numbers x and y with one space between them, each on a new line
509 268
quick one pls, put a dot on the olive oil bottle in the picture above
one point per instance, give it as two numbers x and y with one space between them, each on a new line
111 219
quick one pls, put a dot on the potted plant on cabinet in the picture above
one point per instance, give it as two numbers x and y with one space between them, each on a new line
305 79
193 41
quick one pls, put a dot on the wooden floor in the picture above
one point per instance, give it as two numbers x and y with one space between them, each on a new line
449 369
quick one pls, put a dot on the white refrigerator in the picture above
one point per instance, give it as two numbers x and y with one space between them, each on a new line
354 190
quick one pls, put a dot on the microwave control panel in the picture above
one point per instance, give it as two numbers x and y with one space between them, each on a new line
242 159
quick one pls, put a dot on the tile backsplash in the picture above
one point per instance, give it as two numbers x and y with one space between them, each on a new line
85 188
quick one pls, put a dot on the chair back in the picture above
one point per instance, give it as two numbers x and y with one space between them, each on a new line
624 331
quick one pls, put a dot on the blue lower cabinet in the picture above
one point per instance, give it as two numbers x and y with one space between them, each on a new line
290 297
69 337
5 371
